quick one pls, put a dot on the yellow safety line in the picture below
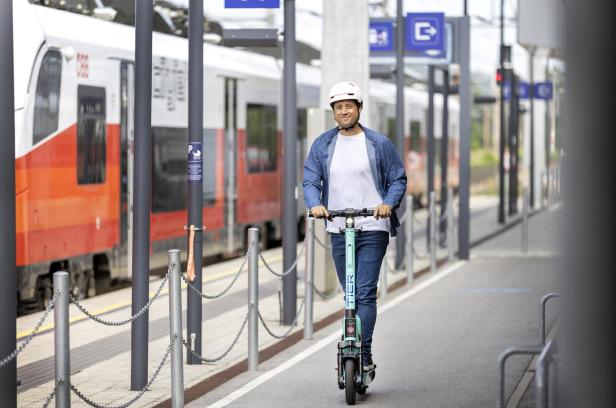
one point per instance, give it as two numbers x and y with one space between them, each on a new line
120 305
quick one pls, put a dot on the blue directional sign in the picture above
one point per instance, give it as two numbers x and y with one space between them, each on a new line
507 91
523 90
543 90
425 32
252 3
381 35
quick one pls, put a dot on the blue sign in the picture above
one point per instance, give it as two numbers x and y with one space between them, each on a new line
543 90
507 91
195 162
523 90
252 3
381 35
425 32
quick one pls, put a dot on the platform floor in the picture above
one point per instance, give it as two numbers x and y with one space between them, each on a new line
100 355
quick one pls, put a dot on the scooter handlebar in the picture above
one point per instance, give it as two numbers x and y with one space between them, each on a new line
348 212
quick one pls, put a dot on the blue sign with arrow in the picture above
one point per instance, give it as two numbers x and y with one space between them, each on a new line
543 90
252 3
425 32
381 36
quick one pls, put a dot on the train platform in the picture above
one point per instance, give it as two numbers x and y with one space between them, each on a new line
436 344
100 354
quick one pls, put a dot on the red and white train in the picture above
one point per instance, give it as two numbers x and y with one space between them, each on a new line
74 102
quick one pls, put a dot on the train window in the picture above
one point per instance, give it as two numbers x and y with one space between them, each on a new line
415 135
47 97
262 138
169 186
91 135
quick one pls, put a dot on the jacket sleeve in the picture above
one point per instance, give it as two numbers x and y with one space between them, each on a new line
312 178
395 176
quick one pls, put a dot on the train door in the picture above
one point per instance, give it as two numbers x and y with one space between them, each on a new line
126 166
231 163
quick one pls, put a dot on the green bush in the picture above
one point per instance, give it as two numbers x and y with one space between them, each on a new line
483 158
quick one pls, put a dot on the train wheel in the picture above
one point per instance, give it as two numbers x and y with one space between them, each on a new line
45 292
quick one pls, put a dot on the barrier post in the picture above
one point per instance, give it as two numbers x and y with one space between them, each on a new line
309 279
525 222
409 240
383 278
432 228
450 226
175 328
61 340
253 299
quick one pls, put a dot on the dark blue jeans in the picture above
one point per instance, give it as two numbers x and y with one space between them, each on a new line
370 247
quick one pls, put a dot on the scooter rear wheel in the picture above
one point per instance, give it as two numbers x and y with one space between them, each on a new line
349 381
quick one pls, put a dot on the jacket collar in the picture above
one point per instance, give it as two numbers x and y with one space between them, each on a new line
333 132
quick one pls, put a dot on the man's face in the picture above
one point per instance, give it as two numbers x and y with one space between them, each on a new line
346 113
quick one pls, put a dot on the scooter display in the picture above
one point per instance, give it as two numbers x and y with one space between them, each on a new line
351 376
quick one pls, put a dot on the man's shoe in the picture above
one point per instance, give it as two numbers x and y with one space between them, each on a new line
368 364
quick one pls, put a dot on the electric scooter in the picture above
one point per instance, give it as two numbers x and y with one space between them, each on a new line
351 377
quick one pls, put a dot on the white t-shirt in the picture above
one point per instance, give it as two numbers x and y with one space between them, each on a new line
351 184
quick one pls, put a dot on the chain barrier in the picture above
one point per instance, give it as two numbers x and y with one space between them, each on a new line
418 255
417 221
138 396
323 295
50 397
299 312
224 292
323 245
389 268
291 268
224 354
34 332
47 398
130 319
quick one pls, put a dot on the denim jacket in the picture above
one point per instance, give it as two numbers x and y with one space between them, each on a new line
387 171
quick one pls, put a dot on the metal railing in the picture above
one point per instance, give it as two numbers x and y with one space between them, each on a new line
546 355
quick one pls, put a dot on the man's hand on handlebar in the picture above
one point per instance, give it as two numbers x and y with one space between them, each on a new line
382 211
319 212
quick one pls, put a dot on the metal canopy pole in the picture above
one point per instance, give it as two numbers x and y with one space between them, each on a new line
8 271
143 190
531 99
290 191
511 78
401 238
444 157
430 138
465 97
195 171
501 147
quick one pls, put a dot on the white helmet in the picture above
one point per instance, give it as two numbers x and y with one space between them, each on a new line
345 91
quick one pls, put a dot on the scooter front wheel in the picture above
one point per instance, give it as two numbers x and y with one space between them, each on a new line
349 381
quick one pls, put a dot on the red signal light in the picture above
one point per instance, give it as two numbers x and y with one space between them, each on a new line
499 77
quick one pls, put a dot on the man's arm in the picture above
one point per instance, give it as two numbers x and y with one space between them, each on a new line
395 177
312 179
